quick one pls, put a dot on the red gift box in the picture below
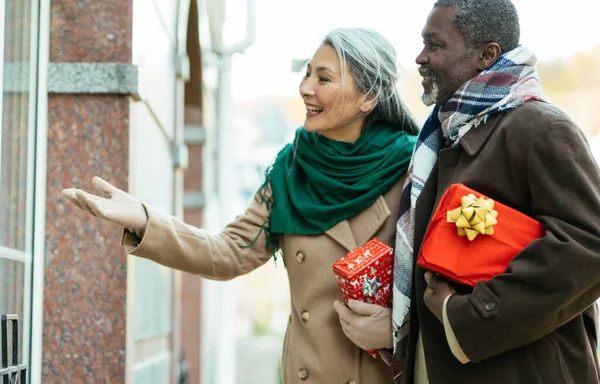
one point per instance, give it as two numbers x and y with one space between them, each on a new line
465 260
365 274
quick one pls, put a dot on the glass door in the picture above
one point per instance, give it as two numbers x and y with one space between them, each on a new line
18 64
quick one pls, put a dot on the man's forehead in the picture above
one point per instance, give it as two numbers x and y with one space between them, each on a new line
439 22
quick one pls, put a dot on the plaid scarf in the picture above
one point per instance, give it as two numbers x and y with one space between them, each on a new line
506 85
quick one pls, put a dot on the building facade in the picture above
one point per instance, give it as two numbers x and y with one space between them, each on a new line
108 88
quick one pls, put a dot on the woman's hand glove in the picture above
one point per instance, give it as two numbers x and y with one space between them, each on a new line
119 208
369 326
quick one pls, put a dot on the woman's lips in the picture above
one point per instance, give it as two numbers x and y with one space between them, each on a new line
313 110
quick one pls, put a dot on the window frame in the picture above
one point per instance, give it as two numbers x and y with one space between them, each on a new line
32 257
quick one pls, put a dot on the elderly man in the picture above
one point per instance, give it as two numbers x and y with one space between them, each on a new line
493 130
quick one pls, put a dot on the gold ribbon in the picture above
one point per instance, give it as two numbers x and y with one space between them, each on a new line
475 216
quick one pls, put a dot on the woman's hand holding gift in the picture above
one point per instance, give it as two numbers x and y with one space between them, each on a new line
369 326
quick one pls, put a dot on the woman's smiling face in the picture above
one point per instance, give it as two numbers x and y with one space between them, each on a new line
334 107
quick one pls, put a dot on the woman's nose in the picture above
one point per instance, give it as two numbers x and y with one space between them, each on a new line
306 88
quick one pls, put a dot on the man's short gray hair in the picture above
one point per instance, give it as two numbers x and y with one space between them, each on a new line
486 21
371 60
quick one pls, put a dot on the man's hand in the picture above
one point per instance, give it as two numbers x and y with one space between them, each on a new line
436 292
119 208
369 326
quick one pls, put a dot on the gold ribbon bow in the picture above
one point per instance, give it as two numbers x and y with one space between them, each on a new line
475 216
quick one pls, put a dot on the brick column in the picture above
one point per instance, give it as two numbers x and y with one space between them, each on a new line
85 283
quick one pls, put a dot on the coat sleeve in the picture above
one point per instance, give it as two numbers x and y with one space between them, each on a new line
556 277
238 249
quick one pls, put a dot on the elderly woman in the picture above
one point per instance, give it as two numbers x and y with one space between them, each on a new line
336 186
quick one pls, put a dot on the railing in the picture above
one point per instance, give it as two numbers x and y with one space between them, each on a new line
14 373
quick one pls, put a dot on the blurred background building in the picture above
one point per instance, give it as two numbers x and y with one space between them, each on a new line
184 103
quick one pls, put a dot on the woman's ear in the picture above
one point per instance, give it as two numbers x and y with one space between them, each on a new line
488 54
368 104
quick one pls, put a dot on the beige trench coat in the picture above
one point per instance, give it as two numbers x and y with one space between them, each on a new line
315 348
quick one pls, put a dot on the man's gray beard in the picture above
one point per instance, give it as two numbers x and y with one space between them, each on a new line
431 97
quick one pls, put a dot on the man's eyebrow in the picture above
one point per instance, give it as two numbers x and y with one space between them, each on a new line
429 35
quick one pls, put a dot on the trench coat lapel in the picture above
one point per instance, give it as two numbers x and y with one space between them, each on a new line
342 233
361 228
366 224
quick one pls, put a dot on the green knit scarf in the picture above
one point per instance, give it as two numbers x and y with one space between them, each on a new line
318 182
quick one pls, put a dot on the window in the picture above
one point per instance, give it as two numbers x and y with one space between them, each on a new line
18 62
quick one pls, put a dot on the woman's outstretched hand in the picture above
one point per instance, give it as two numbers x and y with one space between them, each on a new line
118 207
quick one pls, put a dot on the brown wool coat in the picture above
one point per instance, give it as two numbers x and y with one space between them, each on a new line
315 348
534 324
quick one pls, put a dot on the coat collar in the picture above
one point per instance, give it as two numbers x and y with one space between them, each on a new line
361 228
342 233
476 137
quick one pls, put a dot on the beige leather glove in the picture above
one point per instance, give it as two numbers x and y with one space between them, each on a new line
119 208
369 326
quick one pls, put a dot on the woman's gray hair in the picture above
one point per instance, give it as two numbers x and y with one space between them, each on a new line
371 61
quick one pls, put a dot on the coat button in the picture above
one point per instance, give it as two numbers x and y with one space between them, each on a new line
489 306
305 316
300 257
302 374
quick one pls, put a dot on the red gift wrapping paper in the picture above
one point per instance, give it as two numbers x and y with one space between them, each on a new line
365 274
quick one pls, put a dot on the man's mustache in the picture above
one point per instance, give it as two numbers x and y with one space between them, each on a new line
426 72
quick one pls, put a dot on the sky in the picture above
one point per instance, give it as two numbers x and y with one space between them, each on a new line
287 30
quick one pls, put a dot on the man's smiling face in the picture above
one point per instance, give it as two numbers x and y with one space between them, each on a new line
446 62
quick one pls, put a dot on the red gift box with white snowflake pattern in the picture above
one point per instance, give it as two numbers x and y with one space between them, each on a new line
365 273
